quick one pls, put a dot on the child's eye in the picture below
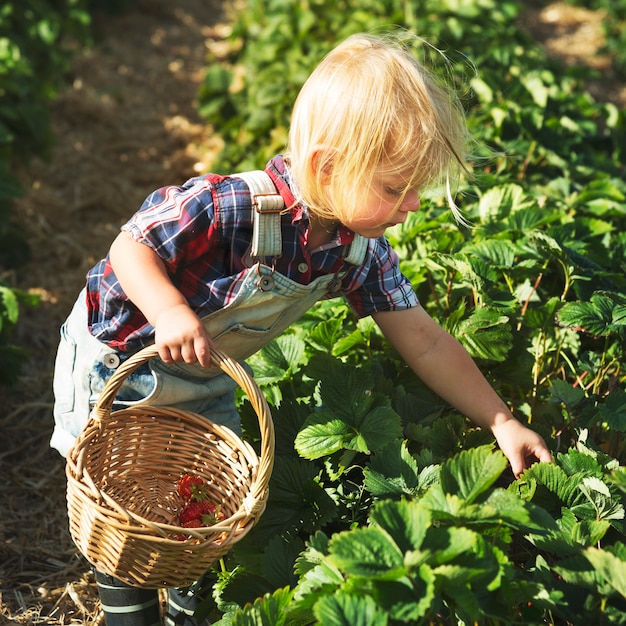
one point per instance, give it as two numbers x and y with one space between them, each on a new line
392 191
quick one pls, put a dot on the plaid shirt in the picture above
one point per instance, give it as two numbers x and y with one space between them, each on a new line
202 231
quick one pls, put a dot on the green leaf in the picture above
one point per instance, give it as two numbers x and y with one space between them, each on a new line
606 505
500 253
271 610
278 559
343 609
325 433
613 412
367 552
407 599
10 187
278 360
325 334
603 315
447 544
9 308
518 514
570 535
501 201
347 392
405 522
296 500
554 487
486 334
471 472
563 392
393 471
610 567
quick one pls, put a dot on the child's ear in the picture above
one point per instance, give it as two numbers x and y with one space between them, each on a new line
322 164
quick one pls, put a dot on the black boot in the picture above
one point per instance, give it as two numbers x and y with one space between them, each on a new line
127 606
182 605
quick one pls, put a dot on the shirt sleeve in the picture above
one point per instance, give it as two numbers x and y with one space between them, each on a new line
176 222
383 287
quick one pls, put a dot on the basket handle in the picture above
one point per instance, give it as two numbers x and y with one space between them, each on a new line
235 370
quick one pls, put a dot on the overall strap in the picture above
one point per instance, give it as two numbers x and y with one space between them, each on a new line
268 205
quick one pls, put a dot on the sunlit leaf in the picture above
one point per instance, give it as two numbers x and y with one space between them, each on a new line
611 567
367 552
343 609
471 472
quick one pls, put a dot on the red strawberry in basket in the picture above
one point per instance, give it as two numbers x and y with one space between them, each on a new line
197 510
192 511
191 486
212 513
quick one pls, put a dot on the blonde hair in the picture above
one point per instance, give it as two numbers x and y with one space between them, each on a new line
371 105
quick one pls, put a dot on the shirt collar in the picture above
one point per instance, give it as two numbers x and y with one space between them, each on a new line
279 173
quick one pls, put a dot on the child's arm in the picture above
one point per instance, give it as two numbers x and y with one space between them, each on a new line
445 366
179 333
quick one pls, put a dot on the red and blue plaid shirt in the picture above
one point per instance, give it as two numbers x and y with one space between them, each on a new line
202 231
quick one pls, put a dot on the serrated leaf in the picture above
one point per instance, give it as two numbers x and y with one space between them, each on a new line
408 599
471 472
579 462
613 412
9 307
562 391
314 553
486 334
278 559
324 433
570 535
606 505
499 253
367 552
554 487
446 544
393 471
601 316
271 610
611 568
501 201
343 609
519 514
278 360
577 570
326 334
296 501
405 522
347 392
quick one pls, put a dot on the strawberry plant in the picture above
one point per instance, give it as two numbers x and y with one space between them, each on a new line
386 506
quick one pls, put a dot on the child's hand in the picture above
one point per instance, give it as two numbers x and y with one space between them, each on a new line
180 336
520 445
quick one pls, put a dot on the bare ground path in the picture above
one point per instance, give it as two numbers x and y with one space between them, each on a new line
126 124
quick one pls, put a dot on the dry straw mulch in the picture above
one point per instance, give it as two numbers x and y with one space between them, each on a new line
125 125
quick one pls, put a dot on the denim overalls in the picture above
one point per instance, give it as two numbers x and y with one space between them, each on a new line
266 304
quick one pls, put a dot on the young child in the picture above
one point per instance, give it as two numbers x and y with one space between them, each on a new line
213 263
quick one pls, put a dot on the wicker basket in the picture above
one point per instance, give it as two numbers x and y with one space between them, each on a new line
121 483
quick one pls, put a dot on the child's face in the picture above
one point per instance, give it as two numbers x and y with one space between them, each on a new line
384 205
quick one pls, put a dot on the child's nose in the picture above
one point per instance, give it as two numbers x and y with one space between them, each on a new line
411 201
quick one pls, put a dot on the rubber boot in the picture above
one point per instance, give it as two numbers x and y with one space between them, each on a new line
127 606
182 605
